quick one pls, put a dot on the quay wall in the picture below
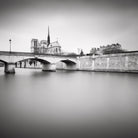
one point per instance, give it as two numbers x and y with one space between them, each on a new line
123 62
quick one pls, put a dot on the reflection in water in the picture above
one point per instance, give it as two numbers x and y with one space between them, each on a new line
66 103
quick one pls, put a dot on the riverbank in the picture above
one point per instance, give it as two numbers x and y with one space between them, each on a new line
122 62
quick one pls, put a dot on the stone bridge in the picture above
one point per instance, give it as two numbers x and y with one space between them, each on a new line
48 61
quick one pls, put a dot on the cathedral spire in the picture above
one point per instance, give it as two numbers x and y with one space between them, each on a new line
48 37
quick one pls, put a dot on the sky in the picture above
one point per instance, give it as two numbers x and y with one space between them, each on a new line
76 24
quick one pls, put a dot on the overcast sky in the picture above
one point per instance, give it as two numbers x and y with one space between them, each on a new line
75 23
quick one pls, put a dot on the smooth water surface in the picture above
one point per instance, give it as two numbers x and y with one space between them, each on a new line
68 103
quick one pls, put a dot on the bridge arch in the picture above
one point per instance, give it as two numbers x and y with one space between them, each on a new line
68 62
3 61
46 65
34 59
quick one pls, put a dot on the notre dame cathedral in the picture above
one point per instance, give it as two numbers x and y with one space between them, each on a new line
45 46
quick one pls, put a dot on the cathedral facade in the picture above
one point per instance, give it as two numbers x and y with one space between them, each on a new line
45 46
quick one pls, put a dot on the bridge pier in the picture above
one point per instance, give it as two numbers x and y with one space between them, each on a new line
9 68
49 67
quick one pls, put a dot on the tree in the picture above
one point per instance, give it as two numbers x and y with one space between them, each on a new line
81 53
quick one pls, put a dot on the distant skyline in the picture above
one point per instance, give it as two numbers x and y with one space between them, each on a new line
75 23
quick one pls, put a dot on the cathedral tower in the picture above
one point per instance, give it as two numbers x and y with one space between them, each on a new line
48 37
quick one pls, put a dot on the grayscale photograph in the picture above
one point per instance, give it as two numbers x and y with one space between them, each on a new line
68 69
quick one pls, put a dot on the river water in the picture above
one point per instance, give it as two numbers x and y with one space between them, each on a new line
68 104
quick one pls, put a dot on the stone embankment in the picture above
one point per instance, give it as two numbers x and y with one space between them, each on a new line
122 62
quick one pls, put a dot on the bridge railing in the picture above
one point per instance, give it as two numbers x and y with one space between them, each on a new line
37 54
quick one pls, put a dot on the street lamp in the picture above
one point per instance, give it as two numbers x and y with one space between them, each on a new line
10 44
